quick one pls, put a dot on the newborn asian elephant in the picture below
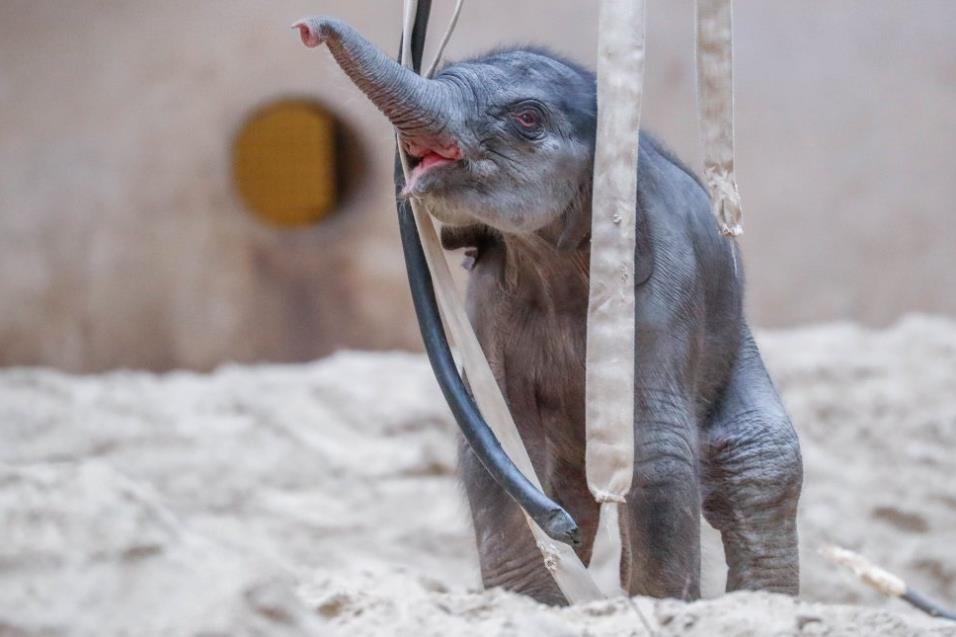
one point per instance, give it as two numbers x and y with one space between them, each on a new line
502 151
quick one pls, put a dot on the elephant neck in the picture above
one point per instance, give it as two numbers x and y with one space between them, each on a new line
550 268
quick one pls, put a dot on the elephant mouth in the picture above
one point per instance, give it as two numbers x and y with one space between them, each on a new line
427 158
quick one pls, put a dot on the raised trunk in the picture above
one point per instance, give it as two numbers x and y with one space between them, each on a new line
417 107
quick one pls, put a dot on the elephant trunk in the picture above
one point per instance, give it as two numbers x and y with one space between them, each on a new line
419 108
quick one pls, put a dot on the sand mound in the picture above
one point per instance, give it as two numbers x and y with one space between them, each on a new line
321 499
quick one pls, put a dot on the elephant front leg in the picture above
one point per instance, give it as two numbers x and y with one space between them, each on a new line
508 554
662 526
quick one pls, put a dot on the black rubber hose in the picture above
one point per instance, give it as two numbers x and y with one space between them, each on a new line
548 514
927 605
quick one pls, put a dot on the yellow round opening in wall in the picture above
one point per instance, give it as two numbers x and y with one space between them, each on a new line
284 163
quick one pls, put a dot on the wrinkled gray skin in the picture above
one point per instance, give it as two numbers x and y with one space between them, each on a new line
711 433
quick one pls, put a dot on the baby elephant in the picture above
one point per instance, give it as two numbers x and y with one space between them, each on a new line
502 151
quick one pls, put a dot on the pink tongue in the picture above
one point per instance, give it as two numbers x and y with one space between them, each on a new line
430 159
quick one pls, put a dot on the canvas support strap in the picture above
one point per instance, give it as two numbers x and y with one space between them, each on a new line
609 410
560 559
715 97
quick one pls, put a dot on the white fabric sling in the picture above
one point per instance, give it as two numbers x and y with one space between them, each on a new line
609 410
715 96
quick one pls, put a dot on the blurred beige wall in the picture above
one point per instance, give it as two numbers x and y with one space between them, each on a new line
123 241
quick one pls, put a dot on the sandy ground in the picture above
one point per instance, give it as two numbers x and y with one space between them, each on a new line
321 499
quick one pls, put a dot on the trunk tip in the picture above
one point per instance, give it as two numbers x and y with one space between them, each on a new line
310 31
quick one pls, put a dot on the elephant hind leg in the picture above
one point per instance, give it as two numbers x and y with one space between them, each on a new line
752 476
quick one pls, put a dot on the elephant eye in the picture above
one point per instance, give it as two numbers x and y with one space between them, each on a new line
528 118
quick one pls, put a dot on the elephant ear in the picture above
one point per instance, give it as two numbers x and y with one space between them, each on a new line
474 238
577 233
470 236
643 248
